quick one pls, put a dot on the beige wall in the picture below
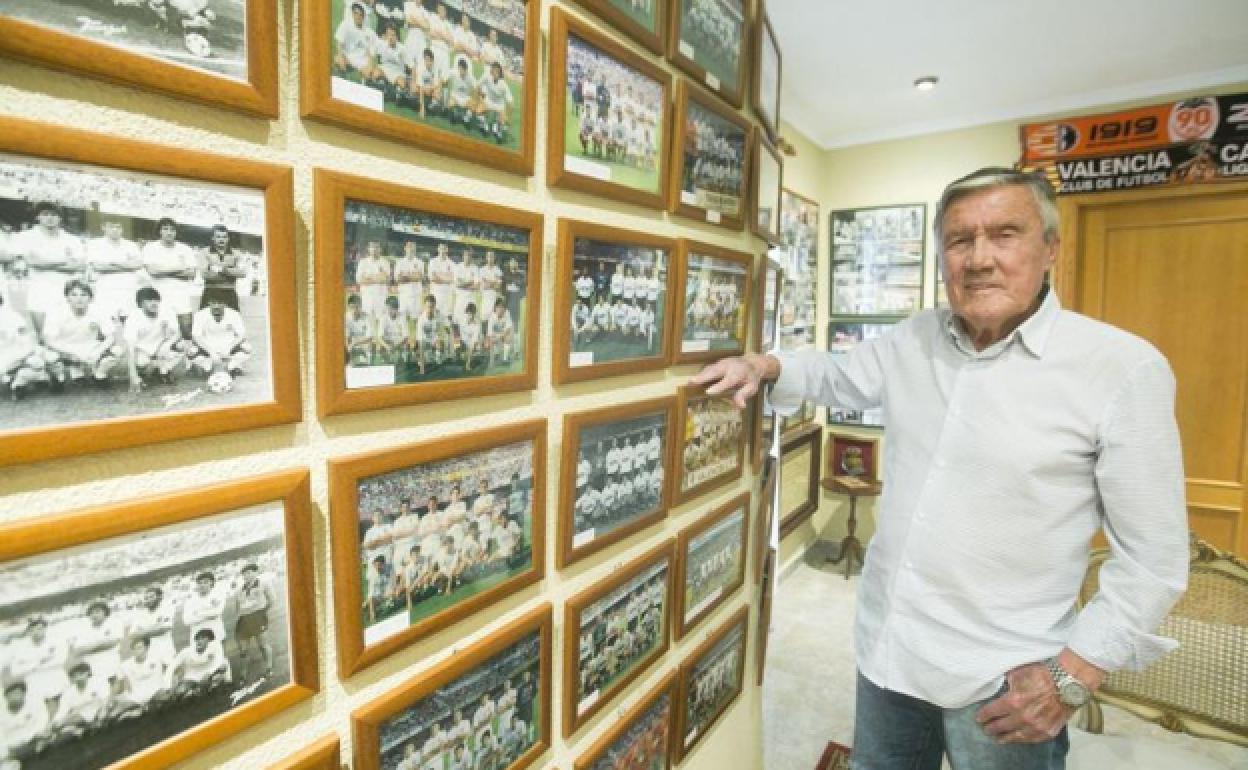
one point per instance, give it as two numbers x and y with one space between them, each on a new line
47 488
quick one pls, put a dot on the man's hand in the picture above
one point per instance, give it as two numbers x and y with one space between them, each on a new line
741 376
1029 711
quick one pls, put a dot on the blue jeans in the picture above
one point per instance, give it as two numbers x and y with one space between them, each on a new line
897 732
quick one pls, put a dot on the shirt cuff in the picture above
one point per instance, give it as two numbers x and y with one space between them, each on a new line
785 396
1112 649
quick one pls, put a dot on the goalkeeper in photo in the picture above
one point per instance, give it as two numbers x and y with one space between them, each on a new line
220 339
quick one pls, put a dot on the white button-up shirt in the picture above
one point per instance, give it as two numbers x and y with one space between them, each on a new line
999 467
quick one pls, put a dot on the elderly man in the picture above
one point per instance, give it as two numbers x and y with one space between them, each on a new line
1016 431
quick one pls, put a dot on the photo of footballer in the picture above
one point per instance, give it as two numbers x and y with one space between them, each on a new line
486 718
710 42
430 297
619 301
206 35
711 680
713 447
434 535
714 160
111 647
622 627
640 740
716 301
126 294
457 66
712 566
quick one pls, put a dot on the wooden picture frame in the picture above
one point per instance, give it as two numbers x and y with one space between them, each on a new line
652 707
574 545
322 754
684 54
740 619
325 96
266 509
807 436
255 93
335 192
611 10
690 397
658 564
766 596
765 39
763 518
714 523
769 231
690 101
64 153
856 456
770 285
346 474
877 257
595 177
570 365
845 334
691 345
369 721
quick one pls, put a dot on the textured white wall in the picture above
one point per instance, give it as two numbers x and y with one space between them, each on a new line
46 488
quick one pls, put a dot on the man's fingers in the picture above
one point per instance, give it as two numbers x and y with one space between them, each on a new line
994 710
744 394
708 374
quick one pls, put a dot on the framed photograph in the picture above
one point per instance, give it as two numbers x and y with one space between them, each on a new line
710 562
767 60
427 534
709 39
613 305
643 20
710 680
714 285
609 116
457 78
139 633
440 296
799 478
710 177
225 55
615 475
641 738
146 293
799 233
853 456
769 283
768 181
843 336
486 706
877 260
323 754
712 448
613 631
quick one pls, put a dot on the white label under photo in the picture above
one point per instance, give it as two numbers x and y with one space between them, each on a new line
583 358
694 346
713 217
587 168
369 376
581 538
712 81
385 629
589 700
688 198
357 93
685 49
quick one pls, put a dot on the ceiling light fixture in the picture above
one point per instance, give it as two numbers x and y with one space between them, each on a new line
926 83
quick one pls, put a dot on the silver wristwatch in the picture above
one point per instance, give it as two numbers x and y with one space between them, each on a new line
1070 690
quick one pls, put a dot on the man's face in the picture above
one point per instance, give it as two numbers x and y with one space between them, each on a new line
151 600
357 16
217 307
15 697
112 230
168 233
49 218
995 255
220 238
203 585
78 299
201 643
374 249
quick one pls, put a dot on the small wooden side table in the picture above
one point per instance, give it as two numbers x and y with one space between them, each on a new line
851 548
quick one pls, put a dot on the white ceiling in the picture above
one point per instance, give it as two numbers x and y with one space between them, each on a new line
849 66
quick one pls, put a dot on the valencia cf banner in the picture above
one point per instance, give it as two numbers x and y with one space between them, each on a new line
1201 139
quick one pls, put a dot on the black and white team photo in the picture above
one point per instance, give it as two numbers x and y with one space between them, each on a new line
715 304
712 684
713 562
713 162
619 302
619 475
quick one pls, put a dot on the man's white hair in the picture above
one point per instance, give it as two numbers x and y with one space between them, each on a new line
996 176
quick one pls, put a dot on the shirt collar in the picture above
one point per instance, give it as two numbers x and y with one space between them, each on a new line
1033 333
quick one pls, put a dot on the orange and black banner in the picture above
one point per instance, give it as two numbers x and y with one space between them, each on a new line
1202 139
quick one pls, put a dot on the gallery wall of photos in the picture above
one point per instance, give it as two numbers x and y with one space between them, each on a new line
343 363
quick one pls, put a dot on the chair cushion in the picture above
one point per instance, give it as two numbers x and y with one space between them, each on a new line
1132 752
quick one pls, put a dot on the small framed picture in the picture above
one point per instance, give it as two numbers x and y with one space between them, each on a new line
439 296
615 475
224 55
843 336
644 21
609 116
427 534
799 479
323 754
458 79
714 285
710 680
853 456
767 69
710 562
138 633
713 446
768 180
769 283
486 706
709 39
710 176
613 631
641 738
799 232
613 305
877 260
147 293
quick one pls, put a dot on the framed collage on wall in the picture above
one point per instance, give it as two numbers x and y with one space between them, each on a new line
877 260
843 336
710 175
714 288
709 40
356 56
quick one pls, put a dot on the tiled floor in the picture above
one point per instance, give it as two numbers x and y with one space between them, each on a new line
808 695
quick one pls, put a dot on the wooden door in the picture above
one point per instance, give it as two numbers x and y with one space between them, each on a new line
1171 265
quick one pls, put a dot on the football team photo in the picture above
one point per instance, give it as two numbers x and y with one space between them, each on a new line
716 301
641 740
710 177
712 554
712 680
710 40
712 452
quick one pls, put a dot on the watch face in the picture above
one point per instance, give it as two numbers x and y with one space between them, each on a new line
1073 694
